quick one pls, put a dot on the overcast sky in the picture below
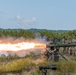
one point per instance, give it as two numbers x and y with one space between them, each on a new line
40 14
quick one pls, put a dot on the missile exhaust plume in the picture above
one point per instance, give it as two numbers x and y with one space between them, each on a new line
20 46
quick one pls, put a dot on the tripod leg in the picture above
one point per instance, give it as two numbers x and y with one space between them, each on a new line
44 72
63 56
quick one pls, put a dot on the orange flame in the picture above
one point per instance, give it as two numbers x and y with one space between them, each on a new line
20 46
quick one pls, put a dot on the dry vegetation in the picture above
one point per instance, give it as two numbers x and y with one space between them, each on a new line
30 66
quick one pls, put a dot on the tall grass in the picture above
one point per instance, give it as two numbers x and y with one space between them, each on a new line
63 67
26 64
66 67
17 65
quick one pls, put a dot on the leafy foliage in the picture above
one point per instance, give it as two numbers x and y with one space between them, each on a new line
31 34
16 33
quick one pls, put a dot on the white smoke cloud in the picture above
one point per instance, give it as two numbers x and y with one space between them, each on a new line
29 22
4 53
23 21
18 17
34 19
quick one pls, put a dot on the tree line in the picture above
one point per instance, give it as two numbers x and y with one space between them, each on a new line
29 34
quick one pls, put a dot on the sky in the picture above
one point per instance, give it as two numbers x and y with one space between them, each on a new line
40 14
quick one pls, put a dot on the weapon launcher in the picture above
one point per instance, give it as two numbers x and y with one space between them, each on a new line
61 45
55 49
56 55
